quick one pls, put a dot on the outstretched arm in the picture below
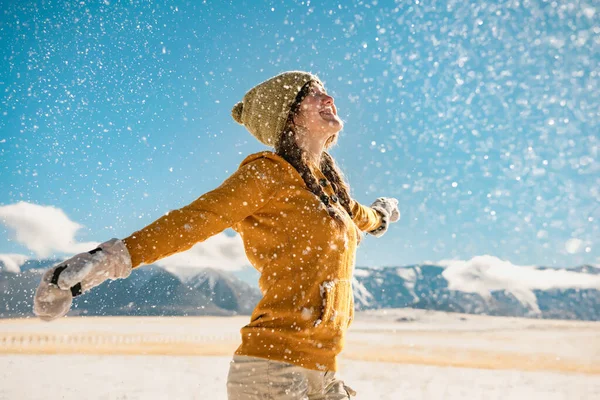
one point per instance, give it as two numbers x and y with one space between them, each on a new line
364 217
376 218
243 193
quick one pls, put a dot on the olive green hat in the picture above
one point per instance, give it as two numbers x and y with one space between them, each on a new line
265 108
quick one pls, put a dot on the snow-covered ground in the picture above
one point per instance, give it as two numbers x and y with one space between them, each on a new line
392 354
72 377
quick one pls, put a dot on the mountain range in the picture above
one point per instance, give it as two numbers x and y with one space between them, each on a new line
152 290
426 287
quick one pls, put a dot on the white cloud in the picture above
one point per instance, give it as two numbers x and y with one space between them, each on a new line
220 252
46 229
43 229
12 262
484 274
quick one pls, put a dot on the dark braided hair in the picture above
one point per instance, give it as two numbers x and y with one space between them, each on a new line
336 178
288 149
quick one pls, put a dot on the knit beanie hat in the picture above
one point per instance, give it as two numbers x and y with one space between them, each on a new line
265 108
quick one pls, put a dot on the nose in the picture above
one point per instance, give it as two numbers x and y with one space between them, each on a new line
327 99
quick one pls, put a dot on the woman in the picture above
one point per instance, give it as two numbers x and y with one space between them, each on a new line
300 229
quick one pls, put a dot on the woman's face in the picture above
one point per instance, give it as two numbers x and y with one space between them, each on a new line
317 113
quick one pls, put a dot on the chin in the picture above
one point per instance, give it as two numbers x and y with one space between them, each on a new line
338 129
334 126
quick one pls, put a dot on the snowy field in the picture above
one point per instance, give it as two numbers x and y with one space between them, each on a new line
393 354
73 377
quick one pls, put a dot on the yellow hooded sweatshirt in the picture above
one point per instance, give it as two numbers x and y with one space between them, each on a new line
305 258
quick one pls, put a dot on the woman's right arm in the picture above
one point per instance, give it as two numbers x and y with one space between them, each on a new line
243 193
238 197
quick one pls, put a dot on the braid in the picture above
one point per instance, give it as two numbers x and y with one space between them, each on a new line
334 175
339 185
292 153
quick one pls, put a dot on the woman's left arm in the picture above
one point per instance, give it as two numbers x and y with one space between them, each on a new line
364 217
376 218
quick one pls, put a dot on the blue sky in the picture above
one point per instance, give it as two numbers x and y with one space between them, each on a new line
480 117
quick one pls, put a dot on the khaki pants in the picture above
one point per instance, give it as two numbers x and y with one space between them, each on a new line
252 378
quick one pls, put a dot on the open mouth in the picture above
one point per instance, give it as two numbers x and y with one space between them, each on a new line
328 113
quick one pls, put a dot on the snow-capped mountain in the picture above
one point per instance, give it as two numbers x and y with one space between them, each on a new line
226 291
554 293
149 290
483 285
